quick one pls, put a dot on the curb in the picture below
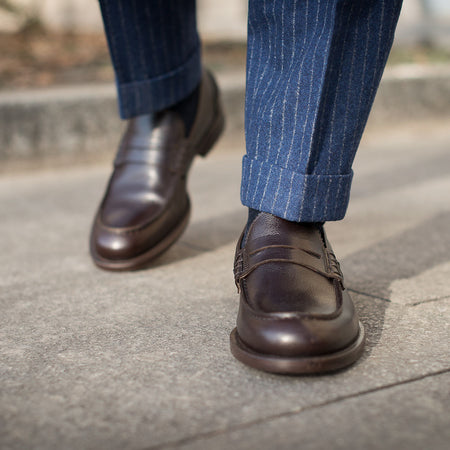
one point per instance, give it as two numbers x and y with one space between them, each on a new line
412 92
81 122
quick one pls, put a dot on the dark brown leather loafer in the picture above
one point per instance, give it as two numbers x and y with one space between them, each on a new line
146 205
295 316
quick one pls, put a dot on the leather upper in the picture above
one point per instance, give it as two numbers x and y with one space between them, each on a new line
292 296
146 196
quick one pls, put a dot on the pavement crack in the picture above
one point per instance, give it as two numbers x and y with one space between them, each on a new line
430 300
369 295
294 412
420 302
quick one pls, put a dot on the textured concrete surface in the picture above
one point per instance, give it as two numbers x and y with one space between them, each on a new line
427 410
98 360
81 122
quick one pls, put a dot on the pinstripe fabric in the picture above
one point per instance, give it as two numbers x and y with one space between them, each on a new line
155 51
313 70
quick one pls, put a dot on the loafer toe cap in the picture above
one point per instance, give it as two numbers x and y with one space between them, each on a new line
297 335
113 245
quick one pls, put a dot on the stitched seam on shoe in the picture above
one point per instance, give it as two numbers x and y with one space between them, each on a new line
289 247
299 317
293 315
133 230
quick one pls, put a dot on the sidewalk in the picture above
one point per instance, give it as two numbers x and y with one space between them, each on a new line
98 360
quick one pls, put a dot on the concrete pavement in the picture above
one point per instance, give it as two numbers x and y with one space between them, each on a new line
98 360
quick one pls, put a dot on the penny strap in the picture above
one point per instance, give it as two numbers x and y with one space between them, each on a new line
246 263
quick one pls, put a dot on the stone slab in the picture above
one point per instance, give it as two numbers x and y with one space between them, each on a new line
411 416
92 359
394 241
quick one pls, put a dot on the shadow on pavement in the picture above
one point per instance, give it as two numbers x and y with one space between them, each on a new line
372 270
205 236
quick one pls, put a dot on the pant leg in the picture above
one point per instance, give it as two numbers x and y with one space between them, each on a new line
313 68
155 50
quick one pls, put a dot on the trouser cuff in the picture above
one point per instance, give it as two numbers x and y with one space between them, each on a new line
294 196
155 94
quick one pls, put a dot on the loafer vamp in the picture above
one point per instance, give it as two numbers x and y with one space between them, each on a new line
294 334
138 194
151 223
286 287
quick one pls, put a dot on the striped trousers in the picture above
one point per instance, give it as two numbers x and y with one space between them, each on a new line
313 69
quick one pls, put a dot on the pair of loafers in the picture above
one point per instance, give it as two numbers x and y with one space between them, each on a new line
295 315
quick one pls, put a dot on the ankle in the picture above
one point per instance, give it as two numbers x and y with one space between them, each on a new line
253 213
187 108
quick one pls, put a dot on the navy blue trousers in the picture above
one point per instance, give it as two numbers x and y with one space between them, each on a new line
313 68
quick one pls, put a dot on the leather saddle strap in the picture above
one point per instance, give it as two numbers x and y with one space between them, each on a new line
246 264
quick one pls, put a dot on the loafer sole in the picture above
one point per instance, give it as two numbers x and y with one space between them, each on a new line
298 365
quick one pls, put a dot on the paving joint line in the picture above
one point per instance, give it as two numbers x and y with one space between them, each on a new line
430 300
369 295
243 426
421 302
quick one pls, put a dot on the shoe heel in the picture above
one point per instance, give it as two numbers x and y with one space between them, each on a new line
213 133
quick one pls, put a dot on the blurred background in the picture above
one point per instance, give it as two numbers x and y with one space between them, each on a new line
59 45
45 42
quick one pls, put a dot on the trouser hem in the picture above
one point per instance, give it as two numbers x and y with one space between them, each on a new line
157 93
294 196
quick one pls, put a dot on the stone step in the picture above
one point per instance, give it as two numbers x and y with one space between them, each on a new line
81 122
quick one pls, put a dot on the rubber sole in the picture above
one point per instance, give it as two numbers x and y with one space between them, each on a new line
300 365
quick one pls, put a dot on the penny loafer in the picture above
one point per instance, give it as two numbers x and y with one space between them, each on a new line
146 205
295 316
